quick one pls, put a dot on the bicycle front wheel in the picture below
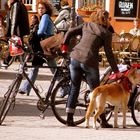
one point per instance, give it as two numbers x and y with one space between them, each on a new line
135 109
59 104
9 99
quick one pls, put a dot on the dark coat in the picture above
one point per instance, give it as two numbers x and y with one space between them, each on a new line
94 37
34 41
19 23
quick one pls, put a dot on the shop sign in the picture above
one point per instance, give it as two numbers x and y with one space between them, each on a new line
126 9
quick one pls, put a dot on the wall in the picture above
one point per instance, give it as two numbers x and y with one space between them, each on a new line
119 25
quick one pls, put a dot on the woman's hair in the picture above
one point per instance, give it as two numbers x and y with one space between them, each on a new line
36 19
102 18
64 3
48 7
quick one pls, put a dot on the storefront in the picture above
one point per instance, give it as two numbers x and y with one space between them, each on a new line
122 12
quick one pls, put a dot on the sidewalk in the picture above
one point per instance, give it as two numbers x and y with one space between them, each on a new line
42 71
24 123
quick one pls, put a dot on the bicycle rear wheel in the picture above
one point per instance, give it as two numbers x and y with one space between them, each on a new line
9 99
59 104
135 109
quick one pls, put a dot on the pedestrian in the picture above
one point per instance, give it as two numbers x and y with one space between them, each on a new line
63 20
17 23
84 59
33 32
45 30
135 31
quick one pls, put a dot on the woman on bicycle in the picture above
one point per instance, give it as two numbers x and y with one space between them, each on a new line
84 58
45 30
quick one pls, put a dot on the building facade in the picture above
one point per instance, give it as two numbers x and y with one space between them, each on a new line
122 12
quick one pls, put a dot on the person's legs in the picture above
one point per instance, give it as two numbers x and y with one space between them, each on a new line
75 72
92 78
52 63
6 60
64 90
26 87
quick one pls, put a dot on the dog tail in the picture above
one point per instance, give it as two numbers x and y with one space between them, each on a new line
91 107
92 104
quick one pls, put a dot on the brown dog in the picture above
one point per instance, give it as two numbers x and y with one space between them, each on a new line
116 94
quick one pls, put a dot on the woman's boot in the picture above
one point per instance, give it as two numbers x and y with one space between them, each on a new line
70 120
104 123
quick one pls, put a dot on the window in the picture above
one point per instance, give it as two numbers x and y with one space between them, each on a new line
90 4
27 1
30 5
94 2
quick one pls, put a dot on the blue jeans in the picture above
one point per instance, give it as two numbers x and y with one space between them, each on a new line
26 87
77 69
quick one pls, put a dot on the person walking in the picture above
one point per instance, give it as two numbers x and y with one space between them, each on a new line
135 31
45 30
63 20
85 59
17 23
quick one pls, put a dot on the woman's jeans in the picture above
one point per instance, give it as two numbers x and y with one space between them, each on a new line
77 69
26 87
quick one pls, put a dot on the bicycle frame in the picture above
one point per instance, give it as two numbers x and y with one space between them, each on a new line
59 71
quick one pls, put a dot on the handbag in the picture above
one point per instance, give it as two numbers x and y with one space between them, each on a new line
15 46
52 44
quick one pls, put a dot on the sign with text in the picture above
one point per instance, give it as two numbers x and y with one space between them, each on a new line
126 9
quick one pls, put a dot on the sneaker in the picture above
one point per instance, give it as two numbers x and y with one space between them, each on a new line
21 92
64 91
70 123
106 125
5 66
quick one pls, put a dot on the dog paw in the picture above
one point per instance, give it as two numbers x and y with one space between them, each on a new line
95 127
87 126
116 126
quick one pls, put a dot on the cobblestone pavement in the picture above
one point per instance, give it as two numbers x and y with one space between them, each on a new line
24 123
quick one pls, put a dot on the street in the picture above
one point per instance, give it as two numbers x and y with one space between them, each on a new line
24 123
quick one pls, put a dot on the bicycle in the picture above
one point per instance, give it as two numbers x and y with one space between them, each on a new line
43 103
51 97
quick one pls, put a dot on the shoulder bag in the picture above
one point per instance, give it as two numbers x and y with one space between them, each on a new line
51 44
